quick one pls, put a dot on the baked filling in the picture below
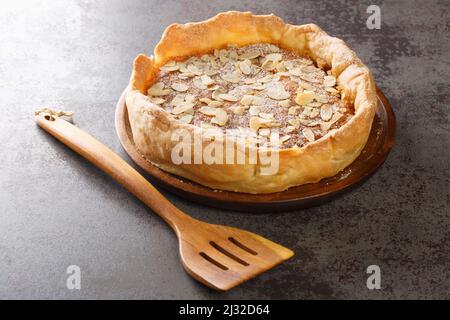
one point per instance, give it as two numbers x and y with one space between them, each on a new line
256 89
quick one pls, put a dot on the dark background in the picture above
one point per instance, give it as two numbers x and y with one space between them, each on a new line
57 210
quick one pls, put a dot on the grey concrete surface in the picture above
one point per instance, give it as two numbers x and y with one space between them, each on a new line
57 210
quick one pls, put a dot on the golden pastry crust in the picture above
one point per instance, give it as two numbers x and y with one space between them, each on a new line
152 126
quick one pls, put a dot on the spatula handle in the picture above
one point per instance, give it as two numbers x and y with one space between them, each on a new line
105 159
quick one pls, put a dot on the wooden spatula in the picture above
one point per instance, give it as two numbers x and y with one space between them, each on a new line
218 256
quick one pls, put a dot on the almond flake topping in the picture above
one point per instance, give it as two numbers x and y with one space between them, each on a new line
275 57
308 134
325 126
305 97
255 83
183 107
284 103
158 90
180 87
157 100
168 68
326 112
231 77
245 67
329 81
215 104
293 110
289 129
186 118
238 110
228 97
209 111
195 70
206 80
250 55
277 92
221 117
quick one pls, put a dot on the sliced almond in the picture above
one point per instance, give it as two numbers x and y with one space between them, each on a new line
257 86
309 77
314 113
158 90
314 104
221 117
233 77
208 111
186 118
250 55
215 104
309 69
157 100
206 80
255 123
295 71
274 48
313 124
305 97
183 107
284 103
238 110
326 112
306 86
294 122
308 134
198 83
273 57
289 129
194 69
228 97
245 67
277 92
214 87
216 95
258 101
180 87
249 80
323 98
177 100
293 110
247 100
332 91
205 100
325 126
329 81
168 68
268 65
265 79
284 138
186 75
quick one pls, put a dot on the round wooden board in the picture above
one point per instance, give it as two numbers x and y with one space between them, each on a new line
380 142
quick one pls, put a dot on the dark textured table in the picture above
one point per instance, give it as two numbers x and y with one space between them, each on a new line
58 210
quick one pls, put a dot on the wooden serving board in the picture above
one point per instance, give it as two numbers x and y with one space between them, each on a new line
380 142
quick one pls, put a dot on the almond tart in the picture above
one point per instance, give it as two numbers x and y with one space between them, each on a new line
251 104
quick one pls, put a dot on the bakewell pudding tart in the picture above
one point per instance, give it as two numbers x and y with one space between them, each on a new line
250 104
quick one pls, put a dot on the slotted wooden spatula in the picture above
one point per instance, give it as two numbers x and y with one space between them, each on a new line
220 257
